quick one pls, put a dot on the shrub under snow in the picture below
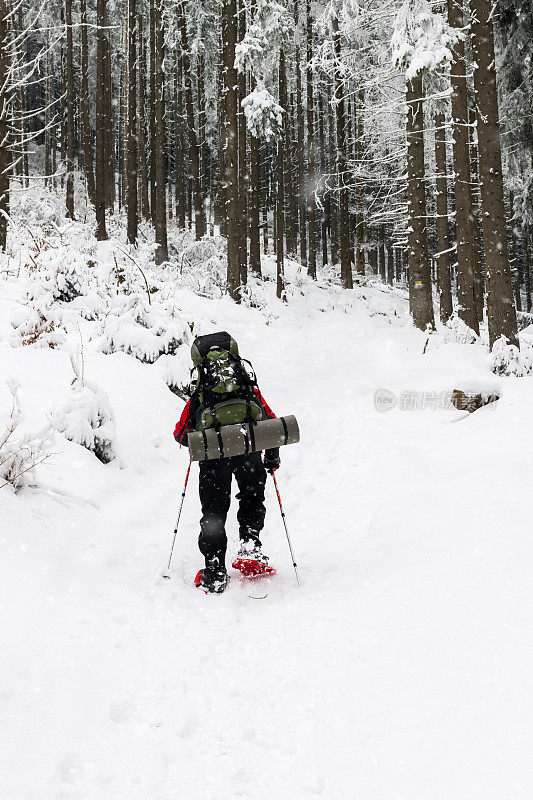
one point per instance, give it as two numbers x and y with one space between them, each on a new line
19 455
507 359
143 331
458 331
87 419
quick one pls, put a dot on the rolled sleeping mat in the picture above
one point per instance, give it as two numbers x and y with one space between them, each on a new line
238 440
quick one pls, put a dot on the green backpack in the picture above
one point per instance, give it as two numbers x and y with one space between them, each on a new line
222 387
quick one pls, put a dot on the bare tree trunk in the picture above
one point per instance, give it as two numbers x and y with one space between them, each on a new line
152 91
85 117
441 194
161 253
381 248
266 197
311 177
5 155
474 217
179 164
323 170
280 205
291 169
108 120
342 168
202 122
302 202
527 267
101 159
132 124
254 204
243 163
359 197
420 299
48 114
333 195
69 58
500 306
390 262
461 164
142 141
194 155
231 146
514 259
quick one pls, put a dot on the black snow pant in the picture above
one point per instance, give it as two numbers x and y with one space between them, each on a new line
215 496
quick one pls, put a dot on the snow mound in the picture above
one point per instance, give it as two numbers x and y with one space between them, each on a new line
507 359
459 332
20 454
143 331
86 418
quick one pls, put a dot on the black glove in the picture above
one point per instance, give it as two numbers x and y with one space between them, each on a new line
271 459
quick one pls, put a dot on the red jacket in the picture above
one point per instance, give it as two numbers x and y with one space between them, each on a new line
187 420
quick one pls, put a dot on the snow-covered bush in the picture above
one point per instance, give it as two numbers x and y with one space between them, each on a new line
175 371
20 454
458 331
38 323
143 331
203 266
86 418
507 359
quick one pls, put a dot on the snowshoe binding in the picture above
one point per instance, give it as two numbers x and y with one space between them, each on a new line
212 580
252 562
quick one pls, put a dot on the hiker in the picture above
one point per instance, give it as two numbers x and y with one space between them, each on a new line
224 393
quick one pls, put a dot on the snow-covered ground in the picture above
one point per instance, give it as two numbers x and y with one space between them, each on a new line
400 670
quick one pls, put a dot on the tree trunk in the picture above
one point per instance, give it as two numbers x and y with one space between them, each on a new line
500 305
85 117
5 155
300 123
153 147
132 124
47 114
142 158
390 262
280 204
342 168
231 146
461 165
292 187
194 154
333 195
102 175
527 267
420 300
323 170
254 204
179 150
108 119
69 56
474 217
381 246
243 163
161 252
202 121
311 177
359 196
441 196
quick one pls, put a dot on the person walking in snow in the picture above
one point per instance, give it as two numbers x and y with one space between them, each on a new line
224 393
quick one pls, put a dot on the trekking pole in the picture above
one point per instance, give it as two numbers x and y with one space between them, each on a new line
285 524
166 574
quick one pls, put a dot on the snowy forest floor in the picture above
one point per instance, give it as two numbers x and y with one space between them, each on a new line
401 669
